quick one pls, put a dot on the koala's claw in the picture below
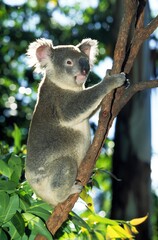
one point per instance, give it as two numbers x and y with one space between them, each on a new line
127 83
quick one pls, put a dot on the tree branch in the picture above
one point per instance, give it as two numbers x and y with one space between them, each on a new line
112 102
140 35
120 48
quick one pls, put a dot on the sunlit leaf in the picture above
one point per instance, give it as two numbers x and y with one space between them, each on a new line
99 236
137 221
88 199
98 219
68 236
17 136
117 232
127 228
134 230
25 189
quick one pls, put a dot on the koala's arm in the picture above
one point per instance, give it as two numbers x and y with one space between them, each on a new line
82 104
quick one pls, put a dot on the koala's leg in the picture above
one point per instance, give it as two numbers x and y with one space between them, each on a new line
63 174
57 182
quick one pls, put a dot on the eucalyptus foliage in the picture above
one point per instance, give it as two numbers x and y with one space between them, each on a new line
23 215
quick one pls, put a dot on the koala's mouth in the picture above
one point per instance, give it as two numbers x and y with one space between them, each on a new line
80 78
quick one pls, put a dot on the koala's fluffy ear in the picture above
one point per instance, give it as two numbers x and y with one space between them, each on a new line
39 54
90 48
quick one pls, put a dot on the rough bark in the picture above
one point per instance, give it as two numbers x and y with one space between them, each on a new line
113 102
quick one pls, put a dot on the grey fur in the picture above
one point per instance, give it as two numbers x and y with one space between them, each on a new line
59 134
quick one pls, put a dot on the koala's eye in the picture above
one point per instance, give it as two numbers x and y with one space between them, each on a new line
69 62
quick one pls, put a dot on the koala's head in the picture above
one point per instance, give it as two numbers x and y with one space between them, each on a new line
67 66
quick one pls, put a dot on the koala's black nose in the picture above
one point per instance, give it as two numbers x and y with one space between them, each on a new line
84 65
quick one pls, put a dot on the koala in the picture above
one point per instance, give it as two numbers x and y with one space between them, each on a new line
59 134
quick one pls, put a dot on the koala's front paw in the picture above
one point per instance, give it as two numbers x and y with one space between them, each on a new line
119 79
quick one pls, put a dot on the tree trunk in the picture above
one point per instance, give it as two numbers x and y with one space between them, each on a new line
132 153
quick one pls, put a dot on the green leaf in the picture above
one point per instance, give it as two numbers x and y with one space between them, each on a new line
79 221
3 236
95 183
12 231
44 205
17 136
31 237
5 169
36 225
15 164
25 237
19 224
25 189
38 211
24 203
11 208
7 186
4 201
5 157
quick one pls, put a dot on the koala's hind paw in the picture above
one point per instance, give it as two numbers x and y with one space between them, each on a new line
108 72
77 187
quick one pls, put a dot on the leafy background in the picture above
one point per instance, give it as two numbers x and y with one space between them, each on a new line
22 215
